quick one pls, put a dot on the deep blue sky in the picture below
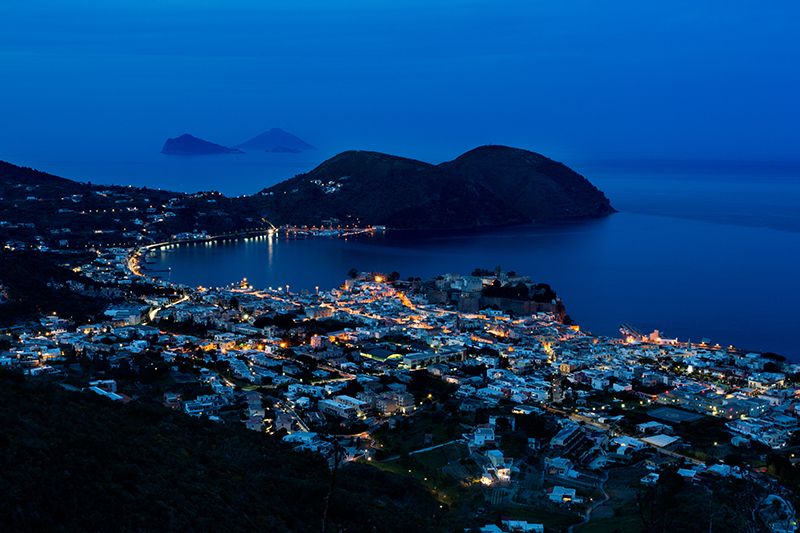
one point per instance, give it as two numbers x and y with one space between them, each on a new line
572 79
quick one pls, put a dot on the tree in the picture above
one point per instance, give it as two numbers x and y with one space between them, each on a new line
352 273
773 356
284 321
514 443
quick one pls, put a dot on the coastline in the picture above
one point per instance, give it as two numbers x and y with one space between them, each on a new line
135 254
324 263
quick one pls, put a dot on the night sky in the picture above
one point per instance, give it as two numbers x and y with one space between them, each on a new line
573 79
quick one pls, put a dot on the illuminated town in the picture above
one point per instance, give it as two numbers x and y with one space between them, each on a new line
474 384
358 266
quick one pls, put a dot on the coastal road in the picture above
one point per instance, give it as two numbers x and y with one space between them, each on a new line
153 313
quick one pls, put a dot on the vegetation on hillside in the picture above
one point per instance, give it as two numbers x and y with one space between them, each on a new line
24 296
79 462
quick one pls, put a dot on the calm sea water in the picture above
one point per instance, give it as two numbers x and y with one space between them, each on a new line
697 250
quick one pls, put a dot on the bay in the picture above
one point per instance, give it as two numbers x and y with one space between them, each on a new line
695 252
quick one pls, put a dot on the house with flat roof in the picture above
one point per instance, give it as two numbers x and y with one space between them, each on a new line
560 494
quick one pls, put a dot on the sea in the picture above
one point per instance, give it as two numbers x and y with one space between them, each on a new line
698 249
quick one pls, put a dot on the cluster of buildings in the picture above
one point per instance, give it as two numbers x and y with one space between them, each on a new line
314 366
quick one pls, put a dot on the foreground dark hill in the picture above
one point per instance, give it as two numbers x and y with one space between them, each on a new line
187 144
79 462
275 140
487 186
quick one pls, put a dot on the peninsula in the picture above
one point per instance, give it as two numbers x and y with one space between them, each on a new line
487 186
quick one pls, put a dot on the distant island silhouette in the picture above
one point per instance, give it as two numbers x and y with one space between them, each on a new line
187 144
274 140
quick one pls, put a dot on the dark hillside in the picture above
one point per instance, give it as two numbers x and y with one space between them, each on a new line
79 462
488 186
13 176
530 183
35 283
